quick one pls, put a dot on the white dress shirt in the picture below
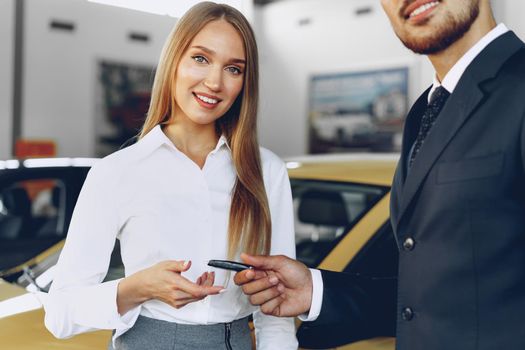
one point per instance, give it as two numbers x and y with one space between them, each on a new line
449 83
162 206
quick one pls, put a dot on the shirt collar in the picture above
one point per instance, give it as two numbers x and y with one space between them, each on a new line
156 138
452 78
223 141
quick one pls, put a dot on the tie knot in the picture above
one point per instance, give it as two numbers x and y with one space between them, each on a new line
439 96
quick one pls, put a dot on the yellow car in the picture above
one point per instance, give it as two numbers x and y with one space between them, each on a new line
341 208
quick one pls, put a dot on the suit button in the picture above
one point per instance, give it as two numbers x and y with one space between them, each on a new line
407 314
409 244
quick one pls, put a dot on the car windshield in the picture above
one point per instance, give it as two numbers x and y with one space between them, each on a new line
325 211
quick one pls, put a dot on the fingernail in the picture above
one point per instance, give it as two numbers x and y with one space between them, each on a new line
273 280
185 263
222 291
250 274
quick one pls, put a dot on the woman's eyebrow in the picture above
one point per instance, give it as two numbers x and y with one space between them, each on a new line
211 52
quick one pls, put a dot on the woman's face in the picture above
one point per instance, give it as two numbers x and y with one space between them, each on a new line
210 74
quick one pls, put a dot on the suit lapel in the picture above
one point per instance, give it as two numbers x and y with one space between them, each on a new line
467 96
454 114
412 124
410 131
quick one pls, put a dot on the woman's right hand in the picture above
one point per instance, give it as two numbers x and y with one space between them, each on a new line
163 281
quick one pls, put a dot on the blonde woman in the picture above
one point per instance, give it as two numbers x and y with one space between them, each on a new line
195 187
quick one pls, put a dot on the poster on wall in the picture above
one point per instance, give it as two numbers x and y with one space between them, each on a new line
123 95
361 111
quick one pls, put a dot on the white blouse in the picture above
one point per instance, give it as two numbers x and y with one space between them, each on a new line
162 206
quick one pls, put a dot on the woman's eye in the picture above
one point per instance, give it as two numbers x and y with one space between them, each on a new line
199 59
234 70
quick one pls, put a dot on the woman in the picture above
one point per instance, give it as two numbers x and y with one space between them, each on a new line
194 187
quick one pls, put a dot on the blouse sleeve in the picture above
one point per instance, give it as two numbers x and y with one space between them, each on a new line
78 301
276 332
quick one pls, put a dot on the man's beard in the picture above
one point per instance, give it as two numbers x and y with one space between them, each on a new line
445 34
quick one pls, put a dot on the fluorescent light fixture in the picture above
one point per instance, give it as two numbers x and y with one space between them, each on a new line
84 161
10 164
50 162
293 165
45 162
164 7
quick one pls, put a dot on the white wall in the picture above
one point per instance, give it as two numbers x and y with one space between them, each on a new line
512 13
335 41
61 67
7 13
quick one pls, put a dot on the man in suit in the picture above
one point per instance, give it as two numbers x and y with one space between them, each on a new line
457 201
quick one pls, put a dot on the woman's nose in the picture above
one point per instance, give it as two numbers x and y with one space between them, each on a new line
213 80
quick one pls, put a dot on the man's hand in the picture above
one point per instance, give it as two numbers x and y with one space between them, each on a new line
280 285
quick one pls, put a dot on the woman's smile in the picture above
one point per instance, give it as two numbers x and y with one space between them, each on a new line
206 101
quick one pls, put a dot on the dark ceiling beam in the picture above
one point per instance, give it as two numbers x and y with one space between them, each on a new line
263 2
18 75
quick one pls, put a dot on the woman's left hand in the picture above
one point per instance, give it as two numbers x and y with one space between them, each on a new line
206 279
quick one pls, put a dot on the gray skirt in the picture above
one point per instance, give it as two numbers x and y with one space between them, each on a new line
148 333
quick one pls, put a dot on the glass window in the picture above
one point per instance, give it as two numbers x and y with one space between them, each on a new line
32 209
325 211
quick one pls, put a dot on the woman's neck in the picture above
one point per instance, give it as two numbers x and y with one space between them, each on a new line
195 141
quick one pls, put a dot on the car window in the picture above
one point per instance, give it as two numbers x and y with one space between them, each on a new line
325 211
32 209
32 218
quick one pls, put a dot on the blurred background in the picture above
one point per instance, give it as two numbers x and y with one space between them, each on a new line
75 75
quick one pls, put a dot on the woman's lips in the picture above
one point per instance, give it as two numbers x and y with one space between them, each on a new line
206 101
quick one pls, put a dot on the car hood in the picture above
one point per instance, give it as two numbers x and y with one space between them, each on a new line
8 290
26 331
22 324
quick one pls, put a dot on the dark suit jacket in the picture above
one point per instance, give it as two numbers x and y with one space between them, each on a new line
462 284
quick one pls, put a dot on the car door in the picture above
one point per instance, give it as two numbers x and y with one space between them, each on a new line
360 242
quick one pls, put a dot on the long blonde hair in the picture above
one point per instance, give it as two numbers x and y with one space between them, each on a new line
249 227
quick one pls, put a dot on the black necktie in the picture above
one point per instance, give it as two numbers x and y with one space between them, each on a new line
437 100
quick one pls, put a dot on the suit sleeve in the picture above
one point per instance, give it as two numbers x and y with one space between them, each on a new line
353 308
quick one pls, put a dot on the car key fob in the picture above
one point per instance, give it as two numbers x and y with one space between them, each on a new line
229 265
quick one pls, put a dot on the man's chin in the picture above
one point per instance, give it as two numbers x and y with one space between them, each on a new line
438 33
427 46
